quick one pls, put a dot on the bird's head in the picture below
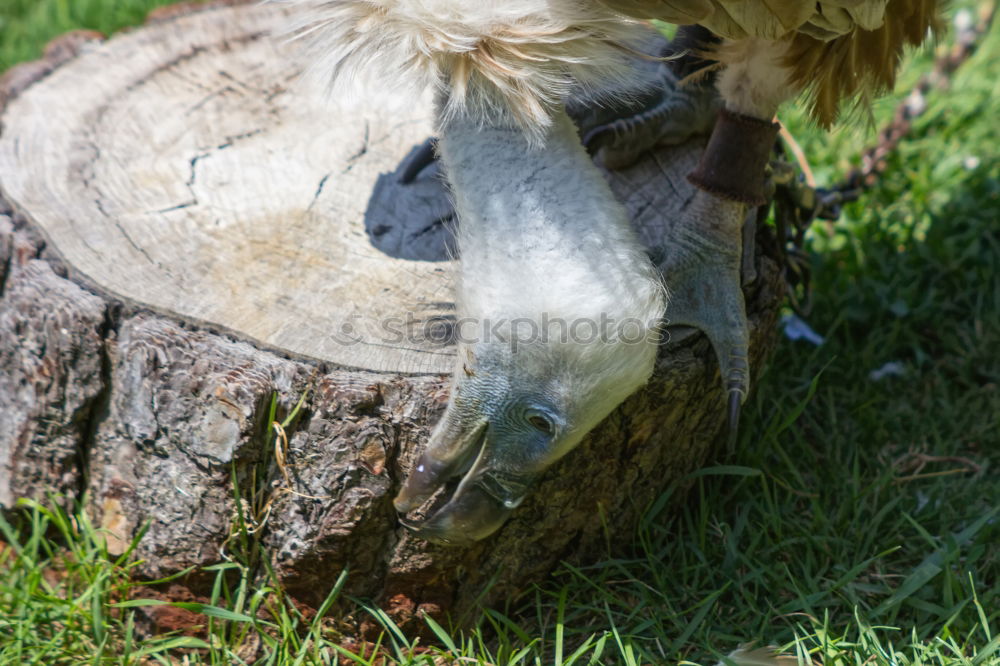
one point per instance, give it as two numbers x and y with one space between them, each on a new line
559 310
515 409
539 232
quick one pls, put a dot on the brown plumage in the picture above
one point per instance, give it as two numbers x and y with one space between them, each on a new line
860 64
839 49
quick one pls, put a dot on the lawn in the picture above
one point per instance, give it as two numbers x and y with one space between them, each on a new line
857 521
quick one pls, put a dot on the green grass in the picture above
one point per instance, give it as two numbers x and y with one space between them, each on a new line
857 522
27 25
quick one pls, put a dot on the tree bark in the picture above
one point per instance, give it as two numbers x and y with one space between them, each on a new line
183 236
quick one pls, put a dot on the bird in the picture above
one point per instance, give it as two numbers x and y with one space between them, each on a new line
542 242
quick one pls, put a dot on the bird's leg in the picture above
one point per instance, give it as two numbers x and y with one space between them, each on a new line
704 256
709 254
702 268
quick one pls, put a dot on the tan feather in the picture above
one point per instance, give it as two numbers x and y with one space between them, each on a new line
840 49
680 12
860 64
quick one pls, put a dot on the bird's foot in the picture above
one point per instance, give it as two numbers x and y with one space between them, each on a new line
678 101
703 268
668 112
709 254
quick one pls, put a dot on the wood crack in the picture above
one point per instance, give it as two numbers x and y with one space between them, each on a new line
687 201
236 138
99 407
361 152
318 192
125 234
180 206
229 142
6 251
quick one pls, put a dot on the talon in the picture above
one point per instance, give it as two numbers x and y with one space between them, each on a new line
736 398
661 112
703 269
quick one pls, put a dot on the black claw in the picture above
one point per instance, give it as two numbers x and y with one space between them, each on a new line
418 162
735 405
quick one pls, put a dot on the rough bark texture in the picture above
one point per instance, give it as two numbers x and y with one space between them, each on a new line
140 367
51 377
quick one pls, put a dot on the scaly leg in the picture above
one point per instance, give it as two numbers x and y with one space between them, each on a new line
732 178
702 268
705 262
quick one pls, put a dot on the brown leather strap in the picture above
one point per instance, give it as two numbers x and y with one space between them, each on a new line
733 164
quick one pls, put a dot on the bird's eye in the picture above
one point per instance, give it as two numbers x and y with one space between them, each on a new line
542 423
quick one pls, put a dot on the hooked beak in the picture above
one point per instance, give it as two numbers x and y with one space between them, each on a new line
483 499
469 516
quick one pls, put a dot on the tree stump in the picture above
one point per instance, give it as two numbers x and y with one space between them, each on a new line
187 230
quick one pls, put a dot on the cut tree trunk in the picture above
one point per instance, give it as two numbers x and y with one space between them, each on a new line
188 230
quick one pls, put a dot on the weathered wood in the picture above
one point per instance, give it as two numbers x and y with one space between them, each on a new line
197 165
195 230
50 377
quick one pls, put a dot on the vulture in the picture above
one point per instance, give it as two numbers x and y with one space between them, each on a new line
543 244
